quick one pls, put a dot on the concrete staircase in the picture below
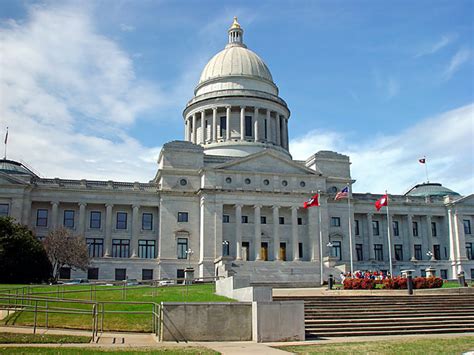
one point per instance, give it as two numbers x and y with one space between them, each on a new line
334 316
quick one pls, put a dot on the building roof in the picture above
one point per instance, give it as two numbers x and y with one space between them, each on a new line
14 168
430 189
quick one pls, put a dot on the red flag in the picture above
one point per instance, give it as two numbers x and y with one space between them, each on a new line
422 160
313 201
383 201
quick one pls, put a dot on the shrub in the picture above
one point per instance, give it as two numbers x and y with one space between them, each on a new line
359 284
398 283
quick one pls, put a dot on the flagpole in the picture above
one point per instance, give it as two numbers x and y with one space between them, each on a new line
350 229
389 238
6 141
320 240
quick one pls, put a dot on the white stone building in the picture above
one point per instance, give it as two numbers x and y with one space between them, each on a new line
232 195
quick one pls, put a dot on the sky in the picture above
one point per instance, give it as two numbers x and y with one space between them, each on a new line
93 89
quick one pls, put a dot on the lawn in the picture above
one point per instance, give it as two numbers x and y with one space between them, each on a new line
17 338
91 351
456 345
78 316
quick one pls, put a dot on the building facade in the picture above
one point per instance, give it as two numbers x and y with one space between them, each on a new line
228 199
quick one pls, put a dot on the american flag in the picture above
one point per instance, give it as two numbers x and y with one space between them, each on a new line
342 194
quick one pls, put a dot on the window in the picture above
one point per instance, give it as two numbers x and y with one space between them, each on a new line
182 216
375 228
418 255
302 184
434 232
469 251
360 255
147 221
69 219
444 274
228 180
415 229
248 181
95 219
147 274
225 248
335 221
42 218
4 209
300 221
245 219
265 128
263 219
281 220
183 182
423 272
467 226
398 252
65 273
472 274
284 183
96 247
378 250
300 250
146 249
121 220
266 182
396 231
226 218
223 126
182 248
120 274
180 274
336 250
437 252
357 230
93 273
248 126
120 248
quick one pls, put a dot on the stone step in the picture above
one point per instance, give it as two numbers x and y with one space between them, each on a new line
382 308
385 331
399 321
400 314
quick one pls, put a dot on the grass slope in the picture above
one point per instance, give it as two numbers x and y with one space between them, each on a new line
92 351
16 338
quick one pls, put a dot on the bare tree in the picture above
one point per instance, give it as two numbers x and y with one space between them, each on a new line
65 249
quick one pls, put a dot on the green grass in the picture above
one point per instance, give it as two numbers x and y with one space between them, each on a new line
455 345
17 338
112 321
91 351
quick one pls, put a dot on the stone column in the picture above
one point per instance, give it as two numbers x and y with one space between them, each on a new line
452 243
26 218
285 133
313 230
276 235
460 236
277 131
258 232
238 232
371 237
194 130
186 129
294 232
256 123
203 127
429 235
269 127
242 123
108 230
81 228
54 214
411 240
214 124
219 211
135 230
227 129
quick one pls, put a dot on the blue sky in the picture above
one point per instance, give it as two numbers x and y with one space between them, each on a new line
93 89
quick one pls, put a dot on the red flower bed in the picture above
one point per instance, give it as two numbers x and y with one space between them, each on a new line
359 284
398 283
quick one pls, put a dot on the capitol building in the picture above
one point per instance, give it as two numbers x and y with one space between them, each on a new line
228 200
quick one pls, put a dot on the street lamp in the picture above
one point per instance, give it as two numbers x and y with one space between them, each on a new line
189 253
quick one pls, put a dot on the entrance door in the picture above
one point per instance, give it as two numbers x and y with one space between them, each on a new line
245 251
264 251
283 251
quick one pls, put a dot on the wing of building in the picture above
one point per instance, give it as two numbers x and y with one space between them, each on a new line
228 200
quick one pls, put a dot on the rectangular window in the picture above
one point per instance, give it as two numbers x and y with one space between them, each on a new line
182 248
360 255
444 274
93 273
69 219
245 219
378 250
223 126
182 216
300 250
120 274
248 126
423 272
4 207
398 252
96 247
375 228
300 221
265 128
263 219
396 231
95 219
281 220
147 221
467 226
146 249
225 248
356 229
226 218
65 273
434 232
336 250
437 252
418 255
415 229
472 274
335 221
180 274
42 218
469 251
120 248
147 274
121 220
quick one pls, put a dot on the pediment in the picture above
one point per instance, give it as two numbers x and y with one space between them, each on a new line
266 162
465 201
6 179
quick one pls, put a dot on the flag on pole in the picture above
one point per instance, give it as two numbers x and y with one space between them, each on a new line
383 201
313 201
342 194
6 136
422 160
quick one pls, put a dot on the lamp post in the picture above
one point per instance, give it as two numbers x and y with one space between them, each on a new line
225 246
189 253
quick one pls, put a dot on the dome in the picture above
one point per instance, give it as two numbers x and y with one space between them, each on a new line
430 189
14 168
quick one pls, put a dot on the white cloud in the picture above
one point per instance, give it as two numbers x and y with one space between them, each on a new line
127 28
391 161
443 42
388 86
461 57
68 94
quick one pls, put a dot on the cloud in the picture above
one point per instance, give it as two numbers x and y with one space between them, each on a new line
391 161
444 41
388 86
127 28
461 57
68 96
